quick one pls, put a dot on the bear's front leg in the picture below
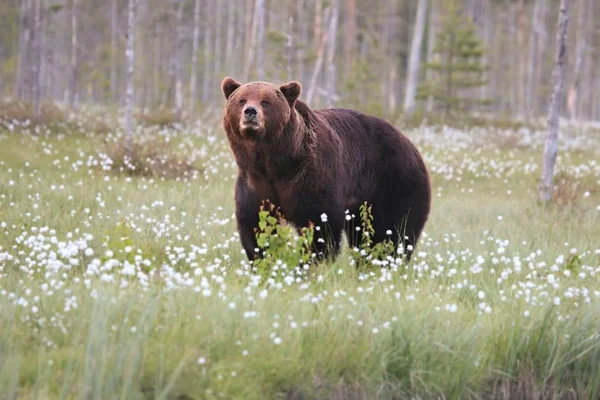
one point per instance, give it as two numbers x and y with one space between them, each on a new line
247 206
329 224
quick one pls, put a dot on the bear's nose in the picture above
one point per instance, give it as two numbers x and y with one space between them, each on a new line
250 112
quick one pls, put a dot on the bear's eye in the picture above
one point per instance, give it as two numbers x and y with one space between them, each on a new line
243 101
264 103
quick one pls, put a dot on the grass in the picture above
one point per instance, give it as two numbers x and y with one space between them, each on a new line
118 286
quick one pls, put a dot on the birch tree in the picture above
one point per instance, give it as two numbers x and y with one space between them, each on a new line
179 59
289 44
37 56
195 45
331 53
130 57
534 43
24 48
231 25
260 38
414 61
430 48
318 64
113 46
73 67
207 56
349 37
558 74
585 7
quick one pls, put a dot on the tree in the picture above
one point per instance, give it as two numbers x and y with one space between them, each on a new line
113 52
331 54
412 75
37 56
178 62
534 44
459 69
260 38
558 76
584 19
195 42
24 49
73 67
130 57
312 88
349 37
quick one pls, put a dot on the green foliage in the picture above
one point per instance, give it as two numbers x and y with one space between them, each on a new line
283 251
364 255
120 242
362 88
457 68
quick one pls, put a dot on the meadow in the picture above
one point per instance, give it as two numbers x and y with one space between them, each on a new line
120 284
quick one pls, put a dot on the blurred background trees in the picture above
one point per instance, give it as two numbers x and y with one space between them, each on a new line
445 56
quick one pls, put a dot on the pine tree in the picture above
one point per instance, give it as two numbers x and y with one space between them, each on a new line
456 68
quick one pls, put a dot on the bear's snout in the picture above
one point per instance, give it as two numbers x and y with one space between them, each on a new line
250 113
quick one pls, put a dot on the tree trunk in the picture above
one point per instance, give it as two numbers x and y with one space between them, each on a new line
534 42
585 9
521 57
260 38
195 44
318 65
249 39
157 63
130 57
37 56
391 49
349 38
289 45
304 39
318 28
218 17
412 76
331 53
231 25
24 50
558 75
73 67
206 81
431 47
113 50
179 60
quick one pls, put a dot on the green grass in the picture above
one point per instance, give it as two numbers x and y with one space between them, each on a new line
502 299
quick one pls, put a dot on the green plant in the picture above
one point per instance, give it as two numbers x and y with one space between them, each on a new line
367 252
283 252
458 68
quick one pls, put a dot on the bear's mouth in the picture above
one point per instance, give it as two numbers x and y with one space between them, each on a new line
250 129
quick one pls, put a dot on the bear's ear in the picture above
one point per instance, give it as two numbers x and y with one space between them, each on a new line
291 91
229 85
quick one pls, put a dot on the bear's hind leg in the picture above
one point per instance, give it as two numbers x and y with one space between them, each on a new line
404 217
328 223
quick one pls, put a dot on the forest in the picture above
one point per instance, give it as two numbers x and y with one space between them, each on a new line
122 270
380 56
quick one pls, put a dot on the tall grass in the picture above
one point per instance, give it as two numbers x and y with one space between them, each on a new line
113 286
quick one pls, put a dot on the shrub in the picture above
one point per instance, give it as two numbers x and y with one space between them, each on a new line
150 157
52 116
366 254
285 255
162 117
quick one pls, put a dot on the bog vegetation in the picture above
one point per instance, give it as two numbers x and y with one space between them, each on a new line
117 281
121 272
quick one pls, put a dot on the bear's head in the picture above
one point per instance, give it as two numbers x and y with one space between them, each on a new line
258 110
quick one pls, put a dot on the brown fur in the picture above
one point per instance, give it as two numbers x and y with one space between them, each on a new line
309 162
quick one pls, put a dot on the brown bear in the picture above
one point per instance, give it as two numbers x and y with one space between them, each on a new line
319 166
